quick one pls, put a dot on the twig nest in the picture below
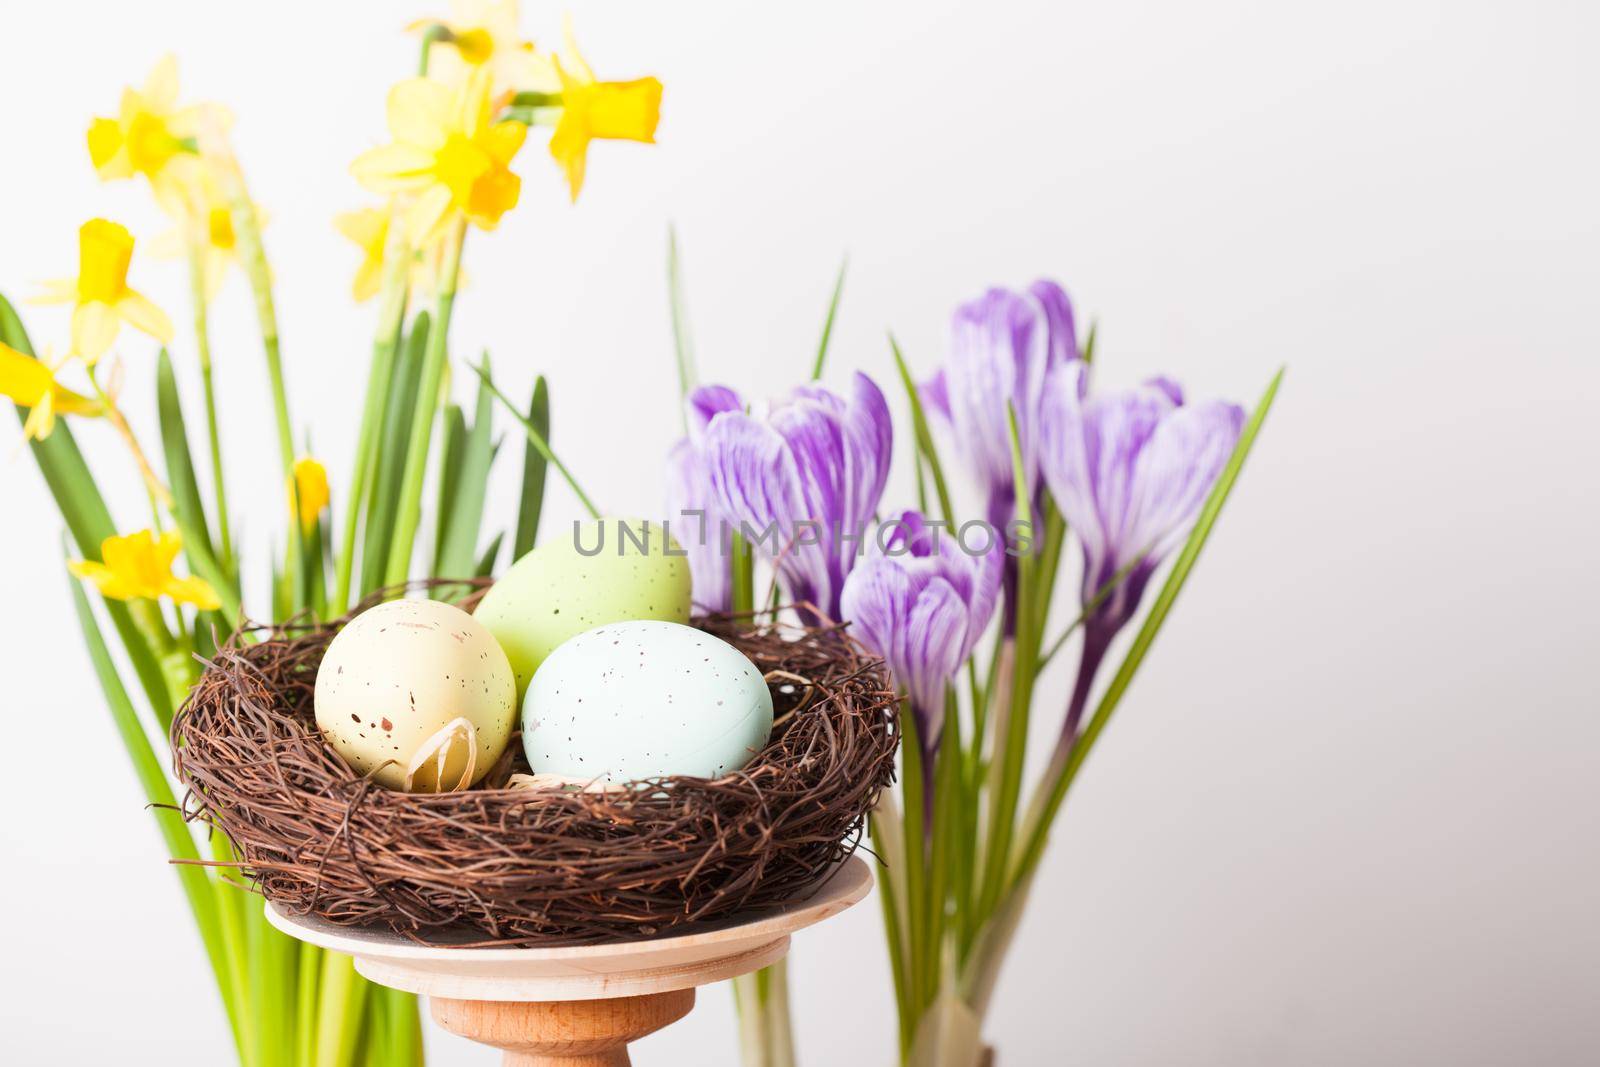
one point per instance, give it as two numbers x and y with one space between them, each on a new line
564 862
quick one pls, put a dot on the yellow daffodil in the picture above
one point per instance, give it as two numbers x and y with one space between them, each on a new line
311 490
138 566
448 154
31 383
486 34
208 223
368 228
151 136
593 109
100 296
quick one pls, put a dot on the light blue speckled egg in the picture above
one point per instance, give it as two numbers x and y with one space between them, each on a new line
645 699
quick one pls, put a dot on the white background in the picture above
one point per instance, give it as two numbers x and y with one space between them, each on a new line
1347 814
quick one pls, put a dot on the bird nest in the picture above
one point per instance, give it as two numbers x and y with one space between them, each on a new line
501 865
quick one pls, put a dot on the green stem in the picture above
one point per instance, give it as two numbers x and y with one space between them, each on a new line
408 516
914 857
308 990
1064 769
231 904
253 258
202 338
391 313
343 999
884 844
1009 754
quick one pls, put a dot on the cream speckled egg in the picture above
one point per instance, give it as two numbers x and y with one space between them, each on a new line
411 679
634 700
587 575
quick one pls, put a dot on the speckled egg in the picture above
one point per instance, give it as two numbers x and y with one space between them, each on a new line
598 572
634 700
418 688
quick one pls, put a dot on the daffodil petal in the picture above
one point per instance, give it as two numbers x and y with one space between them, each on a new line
394 168
473 110
41 420
89 570
167 245
56 291
137 311
67 402
426 214
161 88
168 547
367 280
570 147
22 378
574 59
191 590
504 139
365 227
94 328
419 113
105 149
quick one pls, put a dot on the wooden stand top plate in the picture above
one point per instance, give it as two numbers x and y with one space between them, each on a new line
582 972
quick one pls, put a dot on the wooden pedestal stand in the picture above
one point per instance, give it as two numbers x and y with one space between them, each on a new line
575 1006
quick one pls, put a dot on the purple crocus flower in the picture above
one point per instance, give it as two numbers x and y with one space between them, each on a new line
921 600
802 479
1129 471
1002 347
695 519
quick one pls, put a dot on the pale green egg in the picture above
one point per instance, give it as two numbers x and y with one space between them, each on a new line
590 574
635 700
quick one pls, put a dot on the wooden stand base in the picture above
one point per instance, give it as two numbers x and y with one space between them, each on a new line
563 1033
579 1005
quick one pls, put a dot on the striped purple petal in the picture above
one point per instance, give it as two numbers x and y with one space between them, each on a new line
922 602
803 479
1129 471
694 515
1003 345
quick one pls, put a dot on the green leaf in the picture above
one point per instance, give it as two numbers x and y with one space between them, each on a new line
1034 841
385 483
924 437
490 555
88 520
536 439
827 324
458 546
453 440
186 504
682 345
534 467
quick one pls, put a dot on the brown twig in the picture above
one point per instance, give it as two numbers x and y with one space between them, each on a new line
536 867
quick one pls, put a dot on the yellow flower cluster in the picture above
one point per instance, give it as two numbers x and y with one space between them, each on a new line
455 133
452 148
